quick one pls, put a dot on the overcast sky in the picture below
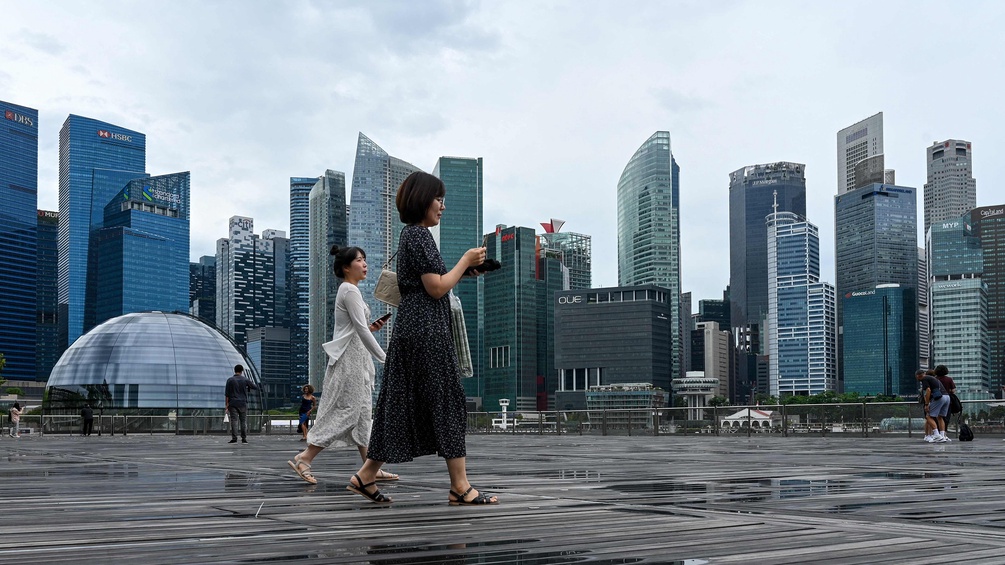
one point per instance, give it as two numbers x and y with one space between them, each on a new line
555 96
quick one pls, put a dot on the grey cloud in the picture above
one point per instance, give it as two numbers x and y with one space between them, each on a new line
41 42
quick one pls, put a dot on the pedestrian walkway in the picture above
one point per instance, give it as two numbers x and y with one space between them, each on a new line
565 499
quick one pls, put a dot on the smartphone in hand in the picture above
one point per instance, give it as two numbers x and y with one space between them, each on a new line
383 318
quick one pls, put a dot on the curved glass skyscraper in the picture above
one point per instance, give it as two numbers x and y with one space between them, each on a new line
373 218
649 227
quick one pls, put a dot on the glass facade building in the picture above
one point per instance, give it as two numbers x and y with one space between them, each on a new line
880 350
589 354
269 349
374 225
575 249
202 289
140 255
753 194
461 228
959 306
149 363
989 227
855 144
96 159
299 272
876 243
649 228
327 220
18 229
47 350
802 356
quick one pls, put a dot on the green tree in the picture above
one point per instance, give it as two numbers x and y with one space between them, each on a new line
15 391
718 401
3 362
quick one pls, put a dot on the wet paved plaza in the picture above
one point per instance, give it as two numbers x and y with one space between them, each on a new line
565 499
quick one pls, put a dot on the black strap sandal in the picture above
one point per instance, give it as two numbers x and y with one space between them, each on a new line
478 500
375 496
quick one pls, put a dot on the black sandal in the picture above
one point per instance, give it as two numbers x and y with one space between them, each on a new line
375 496
478 500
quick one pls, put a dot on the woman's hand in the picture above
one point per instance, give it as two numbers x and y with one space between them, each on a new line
474 256
375 327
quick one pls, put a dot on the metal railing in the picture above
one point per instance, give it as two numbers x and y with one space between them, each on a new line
864 419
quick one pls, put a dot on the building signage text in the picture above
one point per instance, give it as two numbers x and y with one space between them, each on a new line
570 299
992 213
15 117
116 136
509 236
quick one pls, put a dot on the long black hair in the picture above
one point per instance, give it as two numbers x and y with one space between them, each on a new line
344 256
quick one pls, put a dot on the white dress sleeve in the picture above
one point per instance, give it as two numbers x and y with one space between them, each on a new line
356 308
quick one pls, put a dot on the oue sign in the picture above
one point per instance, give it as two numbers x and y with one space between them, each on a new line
570 299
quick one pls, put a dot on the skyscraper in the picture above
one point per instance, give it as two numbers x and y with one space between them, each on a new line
880 347
47 350
202 289
959 306
876 243
802 356
649 228
576 250
461 228
753 192
269 348
140 253
246 287
327 220
373 218
18 228
300 190
856 143
951 190
989 227
96 159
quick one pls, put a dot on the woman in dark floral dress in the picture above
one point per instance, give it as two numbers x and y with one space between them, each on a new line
421 408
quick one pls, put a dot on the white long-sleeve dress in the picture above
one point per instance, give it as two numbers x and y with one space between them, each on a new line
344 413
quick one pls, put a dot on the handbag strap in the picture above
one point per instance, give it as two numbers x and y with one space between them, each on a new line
391 258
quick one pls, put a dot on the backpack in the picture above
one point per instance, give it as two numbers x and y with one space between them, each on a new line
966 434
955 406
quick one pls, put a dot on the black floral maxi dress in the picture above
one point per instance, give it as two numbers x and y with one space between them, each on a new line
421 407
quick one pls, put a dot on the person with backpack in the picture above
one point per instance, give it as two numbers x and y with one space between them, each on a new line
936 403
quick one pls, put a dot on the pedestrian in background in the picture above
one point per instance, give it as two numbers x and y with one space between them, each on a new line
942 373
936 400
308 402
345 415
87 419
421 408
237 403
15 420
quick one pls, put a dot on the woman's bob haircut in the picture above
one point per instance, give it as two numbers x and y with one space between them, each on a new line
416 194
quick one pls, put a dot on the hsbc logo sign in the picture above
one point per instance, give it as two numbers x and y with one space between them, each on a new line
116 136
15 117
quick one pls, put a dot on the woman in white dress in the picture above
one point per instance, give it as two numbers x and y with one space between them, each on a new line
344 414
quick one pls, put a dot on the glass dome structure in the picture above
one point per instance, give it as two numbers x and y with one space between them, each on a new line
149 363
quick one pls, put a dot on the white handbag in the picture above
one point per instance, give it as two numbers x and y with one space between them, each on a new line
387 285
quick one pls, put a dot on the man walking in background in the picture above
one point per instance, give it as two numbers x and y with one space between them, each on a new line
237 403
87 416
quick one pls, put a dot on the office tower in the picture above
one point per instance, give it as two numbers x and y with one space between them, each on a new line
202 289
246 287
989 227
327 221
461 229
588 353
269 348
686 327
373 219
576 249
299 268
959 306
510 367
753 191
649 228
951 190
802 347
96 159
880 346
18 228
552 277
856 143
714 310
924 321
140 253
47 350
876 243
711 351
